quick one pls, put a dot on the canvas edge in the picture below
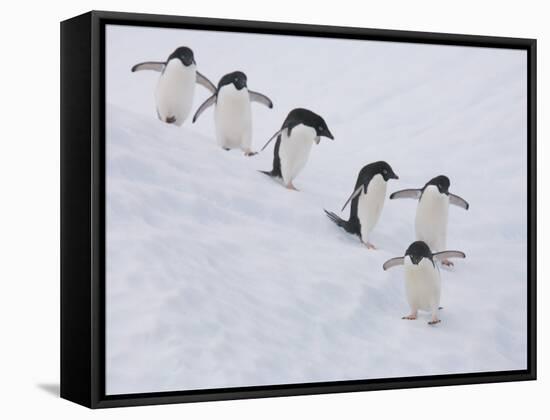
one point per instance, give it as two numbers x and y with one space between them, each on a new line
94 387
75 196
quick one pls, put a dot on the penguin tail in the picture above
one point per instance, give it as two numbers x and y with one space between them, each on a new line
350 226
339 221
268 173
170 120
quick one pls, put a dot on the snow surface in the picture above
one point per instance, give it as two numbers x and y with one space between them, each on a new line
219 277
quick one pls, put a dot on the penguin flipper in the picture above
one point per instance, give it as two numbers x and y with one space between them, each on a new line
458 201
443 255
393 262
149 65
260 98
204 82
353 195
209 102
409 193
271 139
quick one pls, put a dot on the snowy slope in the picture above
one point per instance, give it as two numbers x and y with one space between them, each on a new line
219 277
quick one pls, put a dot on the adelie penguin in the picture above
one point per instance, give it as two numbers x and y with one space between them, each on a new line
232 111
299 131
176 84
367 201
422 278
432 211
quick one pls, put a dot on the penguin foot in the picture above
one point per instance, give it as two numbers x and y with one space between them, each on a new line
250 153
434 321
410 317
291 186
447 263
370 246
227 149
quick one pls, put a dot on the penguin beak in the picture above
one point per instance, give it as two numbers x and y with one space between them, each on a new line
329 135
390 175
415 259
187 61
239 84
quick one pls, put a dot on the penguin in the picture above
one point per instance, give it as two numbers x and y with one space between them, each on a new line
422 278
232 111
432 211
367 201
299 131
176 84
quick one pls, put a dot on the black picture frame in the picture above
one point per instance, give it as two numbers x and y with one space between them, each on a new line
83 204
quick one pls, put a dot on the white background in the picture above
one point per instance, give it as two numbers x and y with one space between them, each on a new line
29 173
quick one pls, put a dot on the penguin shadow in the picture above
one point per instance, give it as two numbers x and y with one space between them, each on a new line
382 241
448 268
275 180
342 236
380 298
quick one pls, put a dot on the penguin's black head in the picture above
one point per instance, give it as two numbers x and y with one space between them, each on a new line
184 54
311 119
441 182
418 250
237 78
322 130
376 168
385 170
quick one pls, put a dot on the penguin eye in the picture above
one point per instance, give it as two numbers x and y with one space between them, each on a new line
321 128
385 172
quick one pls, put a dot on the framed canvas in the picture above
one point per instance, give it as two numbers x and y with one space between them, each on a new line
254 209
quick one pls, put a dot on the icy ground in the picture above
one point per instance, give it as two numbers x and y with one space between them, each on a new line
219 277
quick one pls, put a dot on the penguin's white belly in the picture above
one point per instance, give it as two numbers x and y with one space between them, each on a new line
233 117
294 150
431 219
175 91
369 206
422 284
